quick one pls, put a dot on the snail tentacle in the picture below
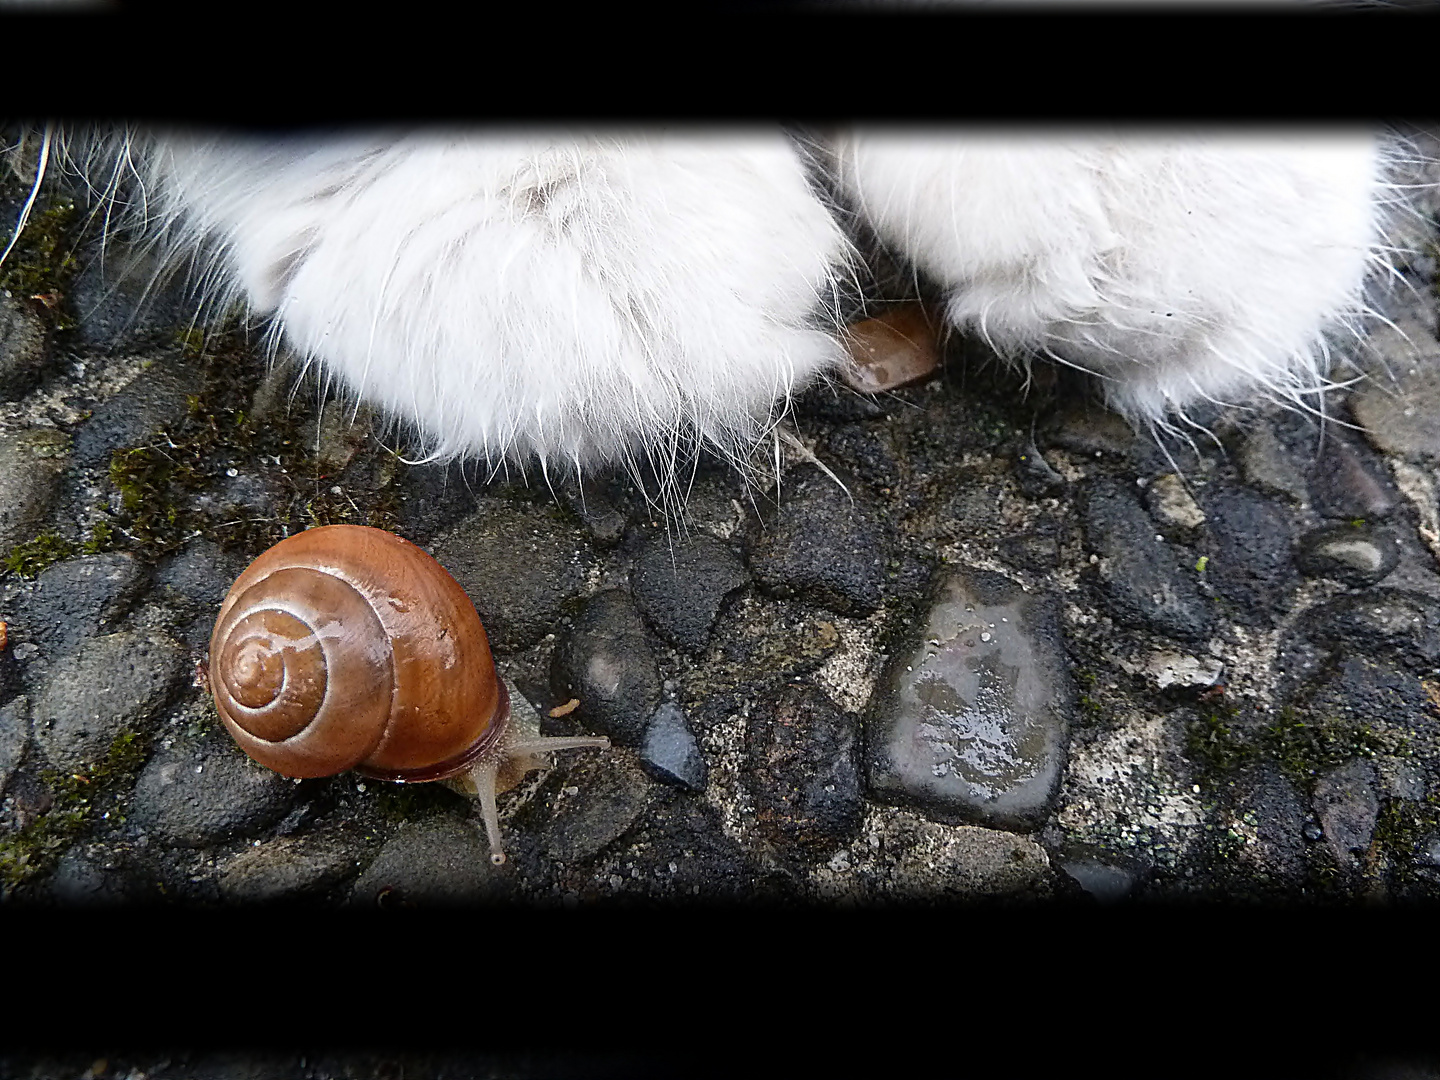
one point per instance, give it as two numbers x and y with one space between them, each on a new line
482 777
547 743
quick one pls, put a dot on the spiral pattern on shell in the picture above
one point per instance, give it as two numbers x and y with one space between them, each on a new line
348 647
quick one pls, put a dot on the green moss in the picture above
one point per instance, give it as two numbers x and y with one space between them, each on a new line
78 798
1303 747
1402 826
159 481
29 558
1213 741
42 263
102 538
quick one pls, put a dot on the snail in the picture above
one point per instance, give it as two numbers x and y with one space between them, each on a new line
346 647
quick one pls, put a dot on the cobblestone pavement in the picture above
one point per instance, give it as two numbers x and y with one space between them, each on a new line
983 643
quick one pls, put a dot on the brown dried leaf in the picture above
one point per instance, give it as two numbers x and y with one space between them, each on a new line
899 347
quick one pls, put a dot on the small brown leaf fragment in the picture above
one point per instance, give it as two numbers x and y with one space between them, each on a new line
1432 691
566 709
4 633
899 347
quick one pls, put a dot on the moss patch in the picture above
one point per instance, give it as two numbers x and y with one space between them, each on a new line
1214 741
42 264
29 558
1304 746
79 797
161 481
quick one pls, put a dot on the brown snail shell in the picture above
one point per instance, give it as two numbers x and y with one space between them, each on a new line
346 647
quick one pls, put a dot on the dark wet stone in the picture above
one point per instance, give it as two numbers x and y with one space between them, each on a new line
194 583
1107 883
1428 853
1403 417
803 768
520 566
865 454
1402 624
202 791
157 398
970 721
107 685
1037 549
1090 430
290 867
1353 554
128 297
14 736
1141 577
680 584
599 501
974 508
435 497
24 347
1252 542
1266 463
334 436
1354 695
31 465
838 403
80 598
1036 476
823 547
605 661
1176 514
1347 804
436 862
1401 779
93 875
613 792
1270 807
669 751
1345 483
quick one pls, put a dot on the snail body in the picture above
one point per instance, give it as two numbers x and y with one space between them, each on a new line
346 647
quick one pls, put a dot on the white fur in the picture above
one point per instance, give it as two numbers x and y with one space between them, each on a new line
578 296
569 297
1176 267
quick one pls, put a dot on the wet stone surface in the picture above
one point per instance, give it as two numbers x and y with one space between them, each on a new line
823 545
23 347
31 461
1252 565
1352 554
1143 579
199 792
1347 804
1348 482
14 736
151 403
440 861
803 768
616 792
521 566
109 684
669 751
679 585
972 721
606 665
290 868
1212 668
76 599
